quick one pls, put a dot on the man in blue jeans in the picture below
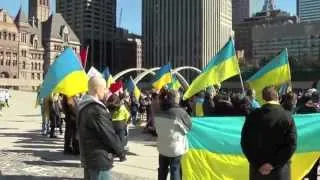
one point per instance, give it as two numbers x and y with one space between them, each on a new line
172 125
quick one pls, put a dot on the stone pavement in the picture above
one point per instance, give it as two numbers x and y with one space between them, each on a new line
26 155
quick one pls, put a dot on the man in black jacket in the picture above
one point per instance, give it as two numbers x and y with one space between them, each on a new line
269 139
98 140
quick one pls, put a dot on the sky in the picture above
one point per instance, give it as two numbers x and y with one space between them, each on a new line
131 11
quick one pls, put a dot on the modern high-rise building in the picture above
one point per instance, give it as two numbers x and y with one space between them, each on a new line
242 9
184 32
94 22
308 10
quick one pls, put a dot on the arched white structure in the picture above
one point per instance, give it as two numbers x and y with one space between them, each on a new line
186 67
117 76
182 80
144 74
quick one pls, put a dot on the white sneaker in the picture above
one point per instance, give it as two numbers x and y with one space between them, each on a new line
131 125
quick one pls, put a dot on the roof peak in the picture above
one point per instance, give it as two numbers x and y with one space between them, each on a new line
21 17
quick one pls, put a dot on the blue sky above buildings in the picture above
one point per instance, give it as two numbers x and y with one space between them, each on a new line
131 10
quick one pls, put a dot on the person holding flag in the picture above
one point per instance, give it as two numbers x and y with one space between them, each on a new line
136 94
163 77
223 66
276 72
108 77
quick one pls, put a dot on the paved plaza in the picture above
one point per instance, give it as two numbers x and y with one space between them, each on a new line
27 155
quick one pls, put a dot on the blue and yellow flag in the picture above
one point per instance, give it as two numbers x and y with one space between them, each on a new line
276 72
107 76
163 77
215 151
175 84
133 88
65 76
223 66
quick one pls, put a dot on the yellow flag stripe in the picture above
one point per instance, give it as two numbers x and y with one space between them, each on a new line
73 84
275 77
203 164
216 75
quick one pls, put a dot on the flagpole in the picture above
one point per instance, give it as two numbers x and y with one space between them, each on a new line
290 84
241 80
87 53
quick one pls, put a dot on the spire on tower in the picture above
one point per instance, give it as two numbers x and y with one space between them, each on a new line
269 5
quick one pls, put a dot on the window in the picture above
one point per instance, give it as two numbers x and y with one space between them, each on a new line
8 55
9 37
31 66
1 55
5 35
38 76
32 75
23 65
24 37
14 56
35 44
66 37
14 37
24 53
0 35
39 66
1 62
4 18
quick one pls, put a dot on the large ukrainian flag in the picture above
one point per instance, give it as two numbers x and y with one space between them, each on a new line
65 76
133 88
215 152
223 66
163 77
276 72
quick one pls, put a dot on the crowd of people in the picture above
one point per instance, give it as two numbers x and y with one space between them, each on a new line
96 123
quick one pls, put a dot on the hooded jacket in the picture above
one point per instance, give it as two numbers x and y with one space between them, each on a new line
172 127
98 140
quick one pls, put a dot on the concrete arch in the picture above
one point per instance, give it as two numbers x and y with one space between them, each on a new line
144 74
181 79
120 74
186 68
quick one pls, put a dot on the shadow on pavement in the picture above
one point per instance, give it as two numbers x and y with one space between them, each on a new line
137 135
46 155
18 177
30 115
47 149
55 164
8 129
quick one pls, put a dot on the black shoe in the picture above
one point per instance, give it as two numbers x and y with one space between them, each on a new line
54 136
123 158
67 151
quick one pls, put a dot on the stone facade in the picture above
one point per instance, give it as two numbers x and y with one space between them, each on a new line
28 45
